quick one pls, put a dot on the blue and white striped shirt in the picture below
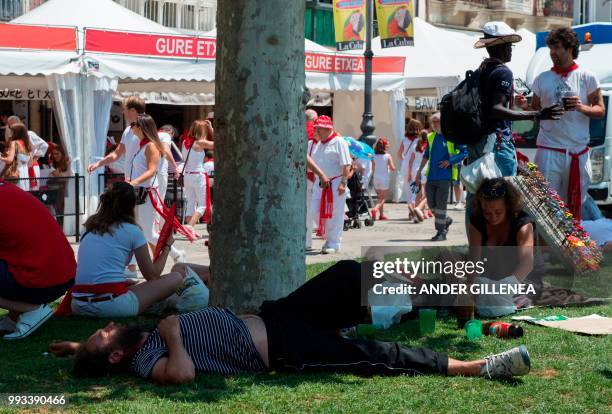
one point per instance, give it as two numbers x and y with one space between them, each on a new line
216 340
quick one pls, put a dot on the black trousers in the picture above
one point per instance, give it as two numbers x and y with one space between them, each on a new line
302 331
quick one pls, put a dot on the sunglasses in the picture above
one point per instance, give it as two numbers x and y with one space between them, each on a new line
494 193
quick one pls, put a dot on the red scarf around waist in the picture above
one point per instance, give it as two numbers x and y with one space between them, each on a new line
65 307
32 174
574 194
326 208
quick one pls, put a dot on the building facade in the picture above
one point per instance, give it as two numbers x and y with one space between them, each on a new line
591 11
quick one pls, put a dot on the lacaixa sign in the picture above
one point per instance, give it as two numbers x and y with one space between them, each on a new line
24 36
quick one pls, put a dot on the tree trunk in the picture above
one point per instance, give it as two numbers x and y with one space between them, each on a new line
258 231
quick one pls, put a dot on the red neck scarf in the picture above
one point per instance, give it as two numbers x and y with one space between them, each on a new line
143 142
564 72
187 140
333 135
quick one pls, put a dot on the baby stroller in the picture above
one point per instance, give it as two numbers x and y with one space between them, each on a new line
358 204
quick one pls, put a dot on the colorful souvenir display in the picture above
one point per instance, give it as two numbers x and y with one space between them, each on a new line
554 222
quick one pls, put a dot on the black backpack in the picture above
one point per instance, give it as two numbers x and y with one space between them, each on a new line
461 110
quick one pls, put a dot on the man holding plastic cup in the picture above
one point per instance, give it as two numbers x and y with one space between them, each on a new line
563 152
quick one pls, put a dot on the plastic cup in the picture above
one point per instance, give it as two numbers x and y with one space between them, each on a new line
427 321
473 329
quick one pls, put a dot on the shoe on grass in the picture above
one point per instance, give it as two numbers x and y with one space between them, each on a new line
7 325
514 362
329 250
30 321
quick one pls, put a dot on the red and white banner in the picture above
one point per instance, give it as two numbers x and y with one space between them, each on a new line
145 44
191 47
24 36
337 63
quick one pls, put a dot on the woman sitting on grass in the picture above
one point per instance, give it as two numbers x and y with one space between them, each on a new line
112 237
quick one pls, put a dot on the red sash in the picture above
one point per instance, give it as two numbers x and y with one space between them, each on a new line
574 194
326 208
117 289
208 211
164 212
32 174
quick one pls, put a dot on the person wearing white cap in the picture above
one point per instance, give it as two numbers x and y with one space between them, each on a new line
563 152
332 156
497 97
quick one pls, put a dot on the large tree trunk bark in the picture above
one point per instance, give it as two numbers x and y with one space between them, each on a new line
258 230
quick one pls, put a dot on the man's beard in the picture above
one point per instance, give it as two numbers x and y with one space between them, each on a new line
128 337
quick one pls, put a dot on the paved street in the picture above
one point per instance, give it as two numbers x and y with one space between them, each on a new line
396 231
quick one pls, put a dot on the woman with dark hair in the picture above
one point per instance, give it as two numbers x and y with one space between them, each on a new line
141 173
18 155
500 231
112 237
59 178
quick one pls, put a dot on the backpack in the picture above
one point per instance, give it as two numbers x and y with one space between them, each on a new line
461 110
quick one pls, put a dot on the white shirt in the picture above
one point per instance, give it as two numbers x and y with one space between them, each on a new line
332 156
572 130
140 166
39 146
381 166
209 167
407 143
131 144
165 138
195 163
599 230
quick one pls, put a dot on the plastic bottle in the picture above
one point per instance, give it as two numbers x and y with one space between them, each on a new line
502 330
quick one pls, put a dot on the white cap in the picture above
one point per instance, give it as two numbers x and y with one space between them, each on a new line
497 33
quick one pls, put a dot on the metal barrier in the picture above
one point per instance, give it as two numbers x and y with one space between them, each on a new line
61 196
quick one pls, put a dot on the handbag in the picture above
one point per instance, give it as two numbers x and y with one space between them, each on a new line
181 178
473 174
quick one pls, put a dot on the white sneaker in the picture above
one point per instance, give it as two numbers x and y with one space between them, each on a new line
30 321
7 325
459 206
329 250
511 363
180 256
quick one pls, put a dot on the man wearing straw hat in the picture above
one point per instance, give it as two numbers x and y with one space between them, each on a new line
497 97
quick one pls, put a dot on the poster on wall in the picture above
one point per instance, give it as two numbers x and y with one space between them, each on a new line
395 22
116 118
349 24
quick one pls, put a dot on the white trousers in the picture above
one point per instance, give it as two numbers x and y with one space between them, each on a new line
334 226
309 213
555 166
195 194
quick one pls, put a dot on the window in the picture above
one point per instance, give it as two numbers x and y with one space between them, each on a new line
188 17
151 10
206 18
132 5
169 15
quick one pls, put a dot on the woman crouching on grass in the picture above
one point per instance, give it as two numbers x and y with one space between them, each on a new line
111 238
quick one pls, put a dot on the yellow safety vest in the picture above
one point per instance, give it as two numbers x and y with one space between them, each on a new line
451 151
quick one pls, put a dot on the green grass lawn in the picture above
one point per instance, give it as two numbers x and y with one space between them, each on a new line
570 373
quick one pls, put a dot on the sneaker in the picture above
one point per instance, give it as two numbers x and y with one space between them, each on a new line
30 321
439 237
459 206
7 325
193 295
329 250
449 221
429 214
180 256
511 363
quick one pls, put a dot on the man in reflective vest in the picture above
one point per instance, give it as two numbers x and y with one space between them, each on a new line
443 158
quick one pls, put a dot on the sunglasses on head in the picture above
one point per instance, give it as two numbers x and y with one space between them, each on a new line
494 193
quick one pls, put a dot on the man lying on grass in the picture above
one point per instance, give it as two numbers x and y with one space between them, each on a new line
297 333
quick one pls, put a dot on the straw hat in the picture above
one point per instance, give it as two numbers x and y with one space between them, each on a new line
497 33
